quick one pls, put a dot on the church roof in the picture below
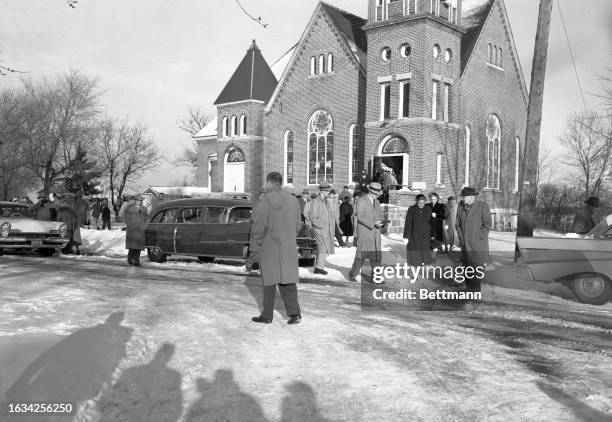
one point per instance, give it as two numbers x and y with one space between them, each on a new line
474 15
252 80
209 130
349 26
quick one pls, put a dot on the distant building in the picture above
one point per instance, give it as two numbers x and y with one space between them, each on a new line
431 89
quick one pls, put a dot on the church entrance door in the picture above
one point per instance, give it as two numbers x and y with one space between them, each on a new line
233 170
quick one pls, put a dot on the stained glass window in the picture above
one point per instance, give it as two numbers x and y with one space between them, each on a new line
493 133
235 155
395 145
320 147
289 157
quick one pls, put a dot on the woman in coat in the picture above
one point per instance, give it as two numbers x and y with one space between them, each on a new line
135 217
346 217
417 230
438 215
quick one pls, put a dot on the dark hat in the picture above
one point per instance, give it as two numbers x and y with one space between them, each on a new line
375 188
324 185
452 198
468 191
593 201
305 190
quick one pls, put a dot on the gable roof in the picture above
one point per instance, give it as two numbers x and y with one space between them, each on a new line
252 80
474 14
209 130
349 29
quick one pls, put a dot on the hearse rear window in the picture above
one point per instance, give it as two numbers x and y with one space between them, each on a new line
165 216
239 215
191 215
214 215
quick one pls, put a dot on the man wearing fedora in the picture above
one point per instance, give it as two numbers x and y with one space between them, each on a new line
135 217
587 217
473 226
320 218
369 221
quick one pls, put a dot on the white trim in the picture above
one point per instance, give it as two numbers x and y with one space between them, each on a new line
233 126
330 62
517 158
447 81
242 124
383 100
321 64
467 135
434 100
239 102
224 127
313 66
403 76
350 151
384 79
436 77
446 105
402 84
495 67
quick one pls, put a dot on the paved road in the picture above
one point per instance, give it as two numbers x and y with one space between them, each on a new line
175 342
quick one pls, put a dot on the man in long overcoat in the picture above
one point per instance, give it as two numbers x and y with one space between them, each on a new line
321 218
473 226
66 213
135 217
276 223
588 217
417 232
368 214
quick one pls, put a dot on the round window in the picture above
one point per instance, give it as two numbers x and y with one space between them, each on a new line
436 51
448 55
385 54
405 50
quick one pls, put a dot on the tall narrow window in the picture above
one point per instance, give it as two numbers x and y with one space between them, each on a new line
467 136
385 101
501 60
439 169
313 66
233 126
493 132
446 102
320 147
356 154
330 63
225 127
496 56
242 125
434 100
321 64
490 53
517 166
404 105
288 157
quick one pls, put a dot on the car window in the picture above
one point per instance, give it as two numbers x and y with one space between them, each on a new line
191 216
14 211
607 234
239 215
169 215
158 217
214 215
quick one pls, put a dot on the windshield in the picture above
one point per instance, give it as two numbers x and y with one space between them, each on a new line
14 211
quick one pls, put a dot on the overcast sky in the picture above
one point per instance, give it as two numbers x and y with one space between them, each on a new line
157 57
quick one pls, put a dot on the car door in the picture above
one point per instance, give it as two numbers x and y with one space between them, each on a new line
237 229
188 230
212 234
161 230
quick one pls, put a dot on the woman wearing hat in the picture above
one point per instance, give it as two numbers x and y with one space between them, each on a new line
417 231
587 217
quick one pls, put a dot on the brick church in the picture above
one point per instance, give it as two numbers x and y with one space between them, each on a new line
431 90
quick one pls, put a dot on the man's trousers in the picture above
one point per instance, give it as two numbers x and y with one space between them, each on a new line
290 299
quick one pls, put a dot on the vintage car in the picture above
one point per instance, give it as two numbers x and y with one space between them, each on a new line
20 230
207 228
582 263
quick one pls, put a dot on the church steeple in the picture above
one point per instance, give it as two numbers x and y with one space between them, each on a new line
252 80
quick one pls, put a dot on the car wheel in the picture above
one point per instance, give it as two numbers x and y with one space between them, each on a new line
46 251
156 255
591 288
206 259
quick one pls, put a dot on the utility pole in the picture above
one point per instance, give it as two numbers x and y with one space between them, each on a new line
526 213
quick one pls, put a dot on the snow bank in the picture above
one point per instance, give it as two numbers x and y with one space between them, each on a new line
103 242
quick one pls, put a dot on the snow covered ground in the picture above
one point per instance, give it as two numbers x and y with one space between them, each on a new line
174 341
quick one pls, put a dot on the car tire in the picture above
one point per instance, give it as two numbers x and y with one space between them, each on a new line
206 259
46 251
594 289
156 255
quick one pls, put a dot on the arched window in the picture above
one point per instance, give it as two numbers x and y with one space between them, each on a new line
313 66
243 125
490 53
288 158
225 127
501 60
517 160
496 58
467 139
330 63
355 154
235 155
395 145
233 126
493 132
321 64
320 147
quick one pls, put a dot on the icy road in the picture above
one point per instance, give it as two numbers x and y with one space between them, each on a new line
174 342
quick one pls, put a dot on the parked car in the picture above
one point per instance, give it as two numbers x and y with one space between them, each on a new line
584 263
20 230
207 228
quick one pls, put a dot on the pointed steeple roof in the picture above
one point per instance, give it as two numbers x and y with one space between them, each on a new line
252 80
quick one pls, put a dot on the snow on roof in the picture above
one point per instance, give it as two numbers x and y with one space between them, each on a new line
209 130
279 65
173 190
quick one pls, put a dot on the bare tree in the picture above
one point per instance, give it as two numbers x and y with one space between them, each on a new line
545 166
126 152
58 117
195 121
588 139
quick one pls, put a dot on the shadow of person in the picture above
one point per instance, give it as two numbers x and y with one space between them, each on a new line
222 400
150 392
581 410
76 368
300 405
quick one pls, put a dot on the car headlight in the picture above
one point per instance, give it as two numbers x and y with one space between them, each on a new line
63 230
5 228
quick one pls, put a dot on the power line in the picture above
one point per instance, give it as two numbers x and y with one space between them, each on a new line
572 57
256 19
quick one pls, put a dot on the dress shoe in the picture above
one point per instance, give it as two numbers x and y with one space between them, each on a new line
137 264
351 277
261 319
320 271
294 319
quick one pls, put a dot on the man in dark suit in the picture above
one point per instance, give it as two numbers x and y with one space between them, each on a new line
276 223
